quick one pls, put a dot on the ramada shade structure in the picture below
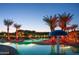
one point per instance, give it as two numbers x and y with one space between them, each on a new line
58 33
50 41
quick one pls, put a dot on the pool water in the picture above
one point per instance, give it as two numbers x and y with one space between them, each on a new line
35 49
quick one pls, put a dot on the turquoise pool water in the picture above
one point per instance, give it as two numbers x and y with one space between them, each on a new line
34 49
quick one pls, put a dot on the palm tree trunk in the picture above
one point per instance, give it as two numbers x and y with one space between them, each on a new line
74 29
8 37
16 39
64 27
51 28
16 35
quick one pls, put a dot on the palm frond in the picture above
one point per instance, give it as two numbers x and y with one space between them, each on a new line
8 22
75 25
17 25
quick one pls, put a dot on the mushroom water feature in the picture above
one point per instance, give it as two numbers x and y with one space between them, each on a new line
58 34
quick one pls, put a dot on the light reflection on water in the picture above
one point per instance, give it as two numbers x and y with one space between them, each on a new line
30 49
34 49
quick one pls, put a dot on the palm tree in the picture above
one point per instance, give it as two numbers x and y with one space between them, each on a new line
74 26
51 21
17 26
64 19
8 23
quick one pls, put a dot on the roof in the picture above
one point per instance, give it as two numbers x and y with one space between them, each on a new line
57 33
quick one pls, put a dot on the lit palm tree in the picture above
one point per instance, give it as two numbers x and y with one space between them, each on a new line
51 21
17 26
74 26
8 23
64 19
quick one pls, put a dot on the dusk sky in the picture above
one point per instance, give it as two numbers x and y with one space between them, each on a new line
30 16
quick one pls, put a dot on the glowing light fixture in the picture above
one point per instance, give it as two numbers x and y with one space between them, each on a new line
31 45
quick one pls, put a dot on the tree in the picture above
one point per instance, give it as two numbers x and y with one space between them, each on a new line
51 21
17 26
74 26
8 23
64 19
